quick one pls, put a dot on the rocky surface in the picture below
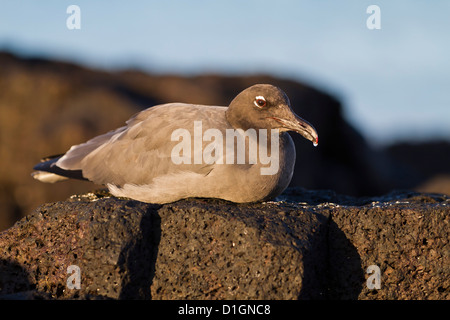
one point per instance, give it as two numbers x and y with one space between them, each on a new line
305 245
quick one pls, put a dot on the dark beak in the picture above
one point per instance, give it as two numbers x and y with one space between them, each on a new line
299 125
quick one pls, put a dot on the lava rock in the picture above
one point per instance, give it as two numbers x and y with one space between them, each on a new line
220 250
97 235
192 249
305 245
405 235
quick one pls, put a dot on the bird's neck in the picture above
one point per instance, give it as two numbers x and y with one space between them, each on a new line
238 122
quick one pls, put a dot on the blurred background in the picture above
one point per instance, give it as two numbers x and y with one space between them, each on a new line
379 98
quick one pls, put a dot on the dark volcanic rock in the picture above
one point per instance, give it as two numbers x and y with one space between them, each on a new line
202 249
98 235
213 249
307 245
406 235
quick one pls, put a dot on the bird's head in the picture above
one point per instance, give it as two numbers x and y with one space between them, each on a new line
264 106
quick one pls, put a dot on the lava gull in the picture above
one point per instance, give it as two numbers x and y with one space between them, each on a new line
240 153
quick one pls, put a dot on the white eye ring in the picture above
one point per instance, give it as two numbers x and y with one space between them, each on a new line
258 99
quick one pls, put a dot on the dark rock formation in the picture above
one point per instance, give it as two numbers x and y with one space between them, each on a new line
306 245
430 162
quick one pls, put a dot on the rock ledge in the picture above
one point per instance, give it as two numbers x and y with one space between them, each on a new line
306 245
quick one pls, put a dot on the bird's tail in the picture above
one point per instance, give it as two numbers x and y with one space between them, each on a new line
47 171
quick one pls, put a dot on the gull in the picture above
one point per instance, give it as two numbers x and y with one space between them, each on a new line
241 152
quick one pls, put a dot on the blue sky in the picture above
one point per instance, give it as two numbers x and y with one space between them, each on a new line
394 82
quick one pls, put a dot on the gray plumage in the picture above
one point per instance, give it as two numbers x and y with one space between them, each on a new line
136 161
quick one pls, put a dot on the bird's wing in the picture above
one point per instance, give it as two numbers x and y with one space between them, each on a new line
141 151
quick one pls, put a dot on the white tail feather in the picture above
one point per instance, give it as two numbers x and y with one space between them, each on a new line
47 177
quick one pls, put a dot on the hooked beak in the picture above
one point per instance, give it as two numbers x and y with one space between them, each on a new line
300 126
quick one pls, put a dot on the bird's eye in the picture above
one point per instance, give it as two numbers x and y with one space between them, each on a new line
260 102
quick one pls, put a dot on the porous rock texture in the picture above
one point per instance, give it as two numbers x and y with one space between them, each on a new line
304 245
